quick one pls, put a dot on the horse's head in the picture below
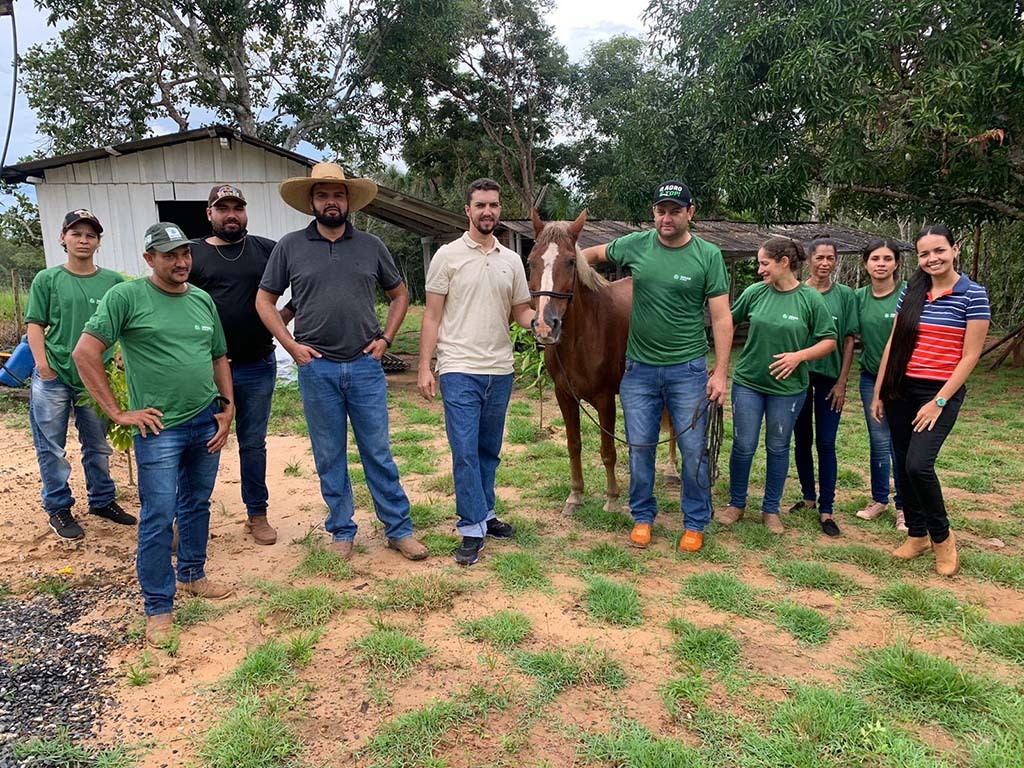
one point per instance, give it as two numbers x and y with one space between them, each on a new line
553 273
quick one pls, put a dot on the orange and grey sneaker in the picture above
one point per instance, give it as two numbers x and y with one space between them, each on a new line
640 536
692 541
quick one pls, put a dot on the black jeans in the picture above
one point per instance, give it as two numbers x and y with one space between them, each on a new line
916 452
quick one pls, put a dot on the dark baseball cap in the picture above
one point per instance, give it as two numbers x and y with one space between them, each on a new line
81 214
673 192
164 237
225 192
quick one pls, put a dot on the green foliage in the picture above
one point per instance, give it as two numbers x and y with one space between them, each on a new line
251 735
528 359
581 666
805 624
611 602
62 751
264 666
439 544
1007 640
813 576
631 745
722 591
321 561
609 558
712 649
427 592
305 607
193 611
390 651
504 630
935 606
520 571
118 435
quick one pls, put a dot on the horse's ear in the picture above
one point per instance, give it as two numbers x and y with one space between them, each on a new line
577 226
538 225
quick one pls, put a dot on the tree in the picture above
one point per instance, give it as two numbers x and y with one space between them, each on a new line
496 83
298 70
909 106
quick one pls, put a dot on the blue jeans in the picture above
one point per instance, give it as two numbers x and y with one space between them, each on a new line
50 407
817 425
254 391
883 459
779 413
333 394
646 391
474 418
176 477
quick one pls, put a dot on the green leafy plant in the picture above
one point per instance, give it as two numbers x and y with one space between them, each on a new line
119 436
528 360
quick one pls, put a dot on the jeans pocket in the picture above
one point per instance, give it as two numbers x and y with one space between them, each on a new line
630 365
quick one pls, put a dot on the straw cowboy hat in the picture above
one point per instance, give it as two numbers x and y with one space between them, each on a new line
296 191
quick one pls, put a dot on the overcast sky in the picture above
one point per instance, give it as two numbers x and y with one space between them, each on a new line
579 23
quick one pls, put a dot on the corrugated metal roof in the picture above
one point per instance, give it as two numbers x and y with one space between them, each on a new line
735 238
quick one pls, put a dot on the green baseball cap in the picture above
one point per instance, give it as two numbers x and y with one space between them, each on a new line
164 237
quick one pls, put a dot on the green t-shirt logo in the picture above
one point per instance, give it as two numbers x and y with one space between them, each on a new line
684 278
206 328
789 317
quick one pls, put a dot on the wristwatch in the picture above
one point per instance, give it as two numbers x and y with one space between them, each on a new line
941 402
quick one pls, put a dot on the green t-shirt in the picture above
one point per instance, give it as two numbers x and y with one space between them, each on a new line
670 288
842 305
876 316
61 302
169 342
779 322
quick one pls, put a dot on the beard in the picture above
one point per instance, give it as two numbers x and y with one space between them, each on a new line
230 235
332 220
485 227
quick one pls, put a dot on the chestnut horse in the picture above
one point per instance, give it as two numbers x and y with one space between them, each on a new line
583 321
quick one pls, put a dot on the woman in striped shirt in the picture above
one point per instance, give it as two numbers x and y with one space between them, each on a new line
941 321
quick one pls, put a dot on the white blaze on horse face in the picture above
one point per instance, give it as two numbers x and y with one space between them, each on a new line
547 283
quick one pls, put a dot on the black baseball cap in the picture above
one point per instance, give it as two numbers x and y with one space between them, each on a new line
81 214
673 192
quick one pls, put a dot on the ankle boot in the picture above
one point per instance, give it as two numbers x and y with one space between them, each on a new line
914 546
947 561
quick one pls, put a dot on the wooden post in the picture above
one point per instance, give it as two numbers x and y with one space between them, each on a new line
977 251
15 287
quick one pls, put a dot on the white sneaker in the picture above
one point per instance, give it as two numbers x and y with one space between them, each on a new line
872 510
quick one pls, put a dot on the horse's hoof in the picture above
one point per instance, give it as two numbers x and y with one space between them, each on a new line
570 509
671 480
611 505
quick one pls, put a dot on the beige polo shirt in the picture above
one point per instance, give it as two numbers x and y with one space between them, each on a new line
480 290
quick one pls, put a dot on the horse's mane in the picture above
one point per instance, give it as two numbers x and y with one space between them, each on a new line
558 231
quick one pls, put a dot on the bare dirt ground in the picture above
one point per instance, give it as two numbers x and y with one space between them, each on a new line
341 713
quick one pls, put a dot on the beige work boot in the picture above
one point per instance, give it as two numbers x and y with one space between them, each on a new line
773 524
260 530
203 587
729 515
159 629
914 546
342 549
947 561
409 548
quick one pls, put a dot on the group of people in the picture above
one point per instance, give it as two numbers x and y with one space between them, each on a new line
196 338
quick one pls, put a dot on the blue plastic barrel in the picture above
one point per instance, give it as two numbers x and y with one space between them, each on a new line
17 371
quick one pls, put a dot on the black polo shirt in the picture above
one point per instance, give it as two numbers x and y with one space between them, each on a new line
334 287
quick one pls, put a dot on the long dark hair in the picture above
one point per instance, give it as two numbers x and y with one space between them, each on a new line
881 242
908 321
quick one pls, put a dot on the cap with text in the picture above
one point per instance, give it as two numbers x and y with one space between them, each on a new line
673 192
164 237
225 192
79 215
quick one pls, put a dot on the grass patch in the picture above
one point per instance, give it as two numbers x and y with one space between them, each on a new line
871 559
682 694
609 558
193 611
504 630
264 666
757 537
390 651
630 745
721 591
989 566
443 484
412 738
918 686
935 606
305 607
807 625
582 666
427 515
414 414
712 649
592 515
612 603
141 673
521 431
411 436
1006 640
320 561
440 544
520 571
54 586
414 458
286 414
62 751
250 736
293 469
527 530
804 575
426 592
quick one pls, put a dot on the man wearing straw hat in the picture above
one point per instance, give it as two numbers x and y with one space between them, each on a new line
334 271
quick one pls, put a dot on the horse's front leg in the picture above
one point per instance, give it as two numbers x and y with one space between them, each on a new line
571 416
671 475
606 416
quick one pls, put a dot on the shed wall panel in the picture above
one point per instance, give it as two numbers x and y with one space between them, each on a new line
175 163
126 169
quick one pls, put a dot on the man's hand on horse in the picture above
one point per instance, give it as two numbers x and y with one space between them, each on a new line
427 383
717 387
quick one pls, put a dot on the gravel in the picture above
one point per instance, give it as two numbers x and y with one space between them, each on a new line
53 679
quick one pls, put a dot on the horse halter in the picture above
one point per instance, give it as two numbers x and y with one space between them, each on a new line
559 294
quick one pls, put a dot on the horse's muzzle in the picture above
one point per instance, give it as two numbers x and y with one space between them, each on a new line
547 331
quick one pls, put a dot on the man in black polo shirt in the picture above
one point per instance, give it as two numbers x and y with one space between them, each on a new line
334 271
229 265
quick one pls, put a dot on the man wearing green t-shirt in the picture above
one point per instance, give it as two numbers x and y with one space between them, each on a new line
180 394
675 274
60 301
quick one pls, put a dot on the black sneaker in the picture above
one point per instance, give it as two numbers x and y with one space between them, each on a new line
469 551
114 514
64 525
800 506
829 527
500 530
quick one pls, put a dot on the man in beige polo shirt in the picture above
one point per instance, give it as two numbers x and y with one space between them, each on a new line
474 285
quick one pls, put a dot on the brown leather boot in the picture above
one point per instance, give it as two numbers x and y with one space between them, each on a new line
914 546
773 524
203 587
409 548
260 530
342 549
947 561
729 515
159 629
